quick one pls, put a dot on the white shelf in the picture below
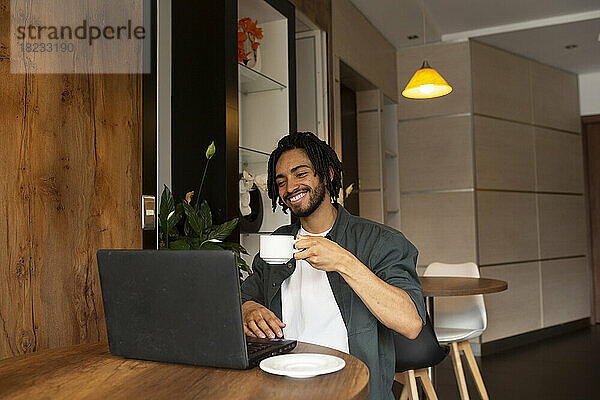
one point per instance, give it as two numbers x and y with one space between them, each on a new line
252 81
263 106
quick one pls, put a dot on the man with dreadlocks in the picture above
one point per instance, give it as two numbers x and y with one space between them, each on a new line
354 281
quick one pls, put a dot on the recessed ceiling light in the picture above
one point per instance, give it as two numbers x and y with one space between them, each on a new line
412 37
570 46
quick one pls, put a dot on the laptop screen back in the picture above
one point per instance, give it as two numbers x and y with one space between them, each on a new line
173 306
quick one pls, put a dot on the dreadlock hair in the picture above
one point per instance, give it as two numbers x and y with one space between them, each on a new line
321 156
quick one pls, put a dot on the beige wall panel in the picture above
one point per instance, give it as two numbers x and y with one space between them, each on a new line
354 38
435 154
517 309
441 225
452 62
369 154
566 290
500 83
336 140
507 227
504 154
563 229
367 100
370 205
555 98
559 159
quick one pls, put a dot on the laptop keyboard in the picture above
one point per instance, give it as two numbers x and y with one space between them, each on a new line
258 351
254 347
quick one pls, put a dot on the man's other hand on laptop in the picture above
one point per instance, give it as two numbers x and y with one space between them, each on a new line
260 322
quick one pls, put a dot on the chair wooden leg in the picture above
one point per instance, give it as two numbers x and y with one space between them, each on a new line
409 382
402 377
404 394
427 385
458 371
413 394
466 347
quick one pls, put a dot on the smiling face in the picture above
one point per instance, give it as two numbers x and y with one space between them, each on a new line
298 185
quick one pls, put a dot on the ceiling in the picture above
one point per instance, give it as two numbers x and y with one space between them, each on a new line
537 29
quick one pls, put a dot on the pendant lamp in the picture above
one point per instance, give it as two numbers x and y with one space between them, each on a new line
426 83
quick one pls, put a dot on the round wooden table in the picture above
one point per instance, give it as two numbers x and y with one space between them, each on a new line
89 371
458 286
455 286
434 286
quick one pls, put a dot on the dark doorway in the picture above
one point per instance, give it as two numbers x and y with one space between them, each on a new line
350 147
591 144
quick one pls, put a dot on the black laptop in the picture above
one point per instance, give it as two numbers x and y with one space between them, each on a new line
179 306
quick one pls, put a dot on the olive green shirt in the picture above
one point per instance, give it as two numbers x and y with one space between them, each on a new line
387 253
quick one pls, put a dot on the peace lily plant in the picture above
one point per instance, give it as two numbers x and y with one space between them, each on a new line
187 226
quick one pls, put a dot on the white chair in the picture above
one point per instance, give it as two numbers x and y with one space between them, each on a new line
458 319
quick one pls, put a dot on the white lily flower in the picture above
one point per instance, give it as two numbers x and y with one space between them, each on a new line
261 182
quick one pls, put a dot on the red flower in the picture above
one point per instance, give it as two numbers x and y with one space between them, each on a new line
244 22
247 30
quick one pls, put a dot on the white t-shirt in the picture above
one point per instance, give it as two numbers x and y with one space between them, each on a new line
309 309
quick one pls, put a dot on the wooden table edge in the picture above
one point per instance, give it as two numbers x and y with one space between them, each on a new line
9 367
493 286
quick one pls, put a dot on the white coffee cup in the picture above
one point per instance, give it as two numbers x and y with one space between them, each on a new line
277 249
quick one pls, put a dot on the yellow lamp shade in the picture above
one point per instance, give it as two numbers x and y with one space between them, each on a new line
426 83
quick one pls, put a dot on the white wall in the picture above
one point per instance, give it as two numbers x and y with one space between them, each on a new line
589 93
164 96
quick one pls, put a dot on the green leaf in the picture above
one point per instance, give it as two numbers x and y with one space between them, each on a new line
207 245
174 217
193 219
210 151
206 215
222 231
180 244
242 265
235 247
167 206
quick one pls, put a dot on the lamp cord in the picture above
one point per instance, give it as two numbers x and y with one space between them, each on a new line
424 37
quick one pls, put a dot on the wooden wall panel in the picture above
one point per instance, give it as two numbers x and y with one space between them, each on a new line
504 154
500 83
367 100
517 309
435 154
70 184
452 62
563 228
369 150
370 205
355 38
319 11
555 98
16 319
565 285
507 227
440 225
559 159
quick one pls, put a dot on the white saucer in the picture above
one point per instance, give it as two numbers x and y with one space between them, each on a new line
276 260
302 365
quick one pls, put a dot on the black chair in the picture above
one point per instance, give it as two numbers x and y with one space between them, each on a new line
413 357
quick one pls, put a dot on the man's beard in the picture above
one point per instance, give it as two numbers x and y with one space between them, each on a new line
315 200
